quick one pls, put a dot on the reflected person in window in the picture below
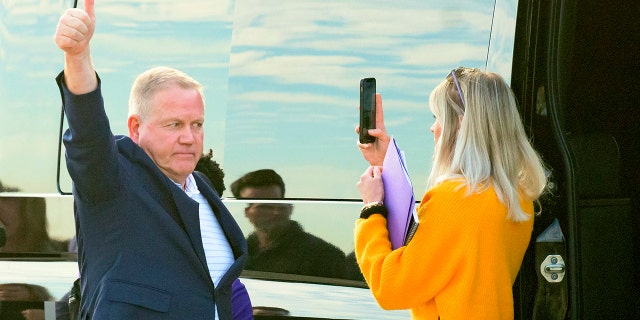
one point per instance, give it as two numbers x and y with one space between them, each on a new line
476 216
24 220
278 243
23 301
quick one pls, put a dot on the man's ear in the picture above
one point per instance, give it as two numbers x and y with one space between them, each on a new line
134 128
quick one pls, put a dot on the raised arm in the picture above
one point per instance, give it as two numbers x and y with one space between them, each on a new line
73 34
92 155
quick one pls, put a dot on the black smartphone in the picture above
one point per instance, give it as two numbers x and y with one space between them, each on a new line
367 109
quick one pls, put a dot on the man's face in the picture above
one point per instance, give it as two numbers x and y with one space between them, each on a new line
266 216
172 134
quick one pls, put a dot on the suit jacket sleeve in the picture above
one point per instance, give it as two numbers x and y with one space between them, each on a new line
91 152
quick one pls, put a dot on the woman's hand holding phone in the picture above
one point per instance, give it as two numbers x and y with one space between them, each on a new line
374 152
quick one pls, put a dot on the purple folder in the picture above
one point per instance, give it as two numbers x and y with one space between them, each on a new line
398 197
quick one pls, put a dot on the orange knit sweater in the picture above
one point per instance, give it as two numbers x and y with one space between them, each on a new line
461 263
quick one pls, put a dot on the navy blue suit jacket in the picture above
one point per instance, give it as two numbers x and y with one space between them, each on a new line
140 249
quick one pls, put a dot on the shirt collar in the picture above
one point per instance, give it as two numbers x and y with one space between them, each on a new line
191 187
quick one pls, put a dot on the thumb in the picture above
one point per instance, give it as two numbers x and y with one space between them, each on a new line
88 7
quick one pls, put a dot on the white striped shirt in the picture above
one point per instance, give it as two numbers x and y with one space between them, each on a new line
216 247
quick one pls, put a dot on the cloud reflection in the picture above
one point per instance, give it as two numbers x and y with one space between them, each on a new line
288 71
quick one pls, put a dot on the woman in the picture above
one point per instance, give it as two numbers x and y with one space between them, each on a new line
476 217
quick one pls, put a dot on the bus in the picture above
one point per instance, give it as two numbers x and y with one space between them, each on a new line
281 89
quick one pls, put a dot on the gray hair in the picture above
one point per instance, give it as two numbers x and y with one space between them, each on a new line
148 83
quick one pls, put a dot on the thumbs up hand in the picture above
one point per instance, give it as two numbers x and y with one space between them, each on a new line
75 29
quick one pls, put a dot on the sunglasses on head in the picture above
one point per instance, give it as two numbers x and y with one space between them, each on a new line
457 73
455 81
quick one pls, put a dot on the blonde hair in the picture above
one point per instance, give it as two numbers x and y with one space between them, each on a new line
148 83
483 140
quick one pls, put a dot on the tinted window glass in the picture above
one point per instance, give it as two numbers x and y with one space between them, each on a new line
281 79
281 85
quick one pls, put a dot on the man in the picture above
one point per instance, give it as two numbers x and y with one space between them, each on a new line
279 244
154 240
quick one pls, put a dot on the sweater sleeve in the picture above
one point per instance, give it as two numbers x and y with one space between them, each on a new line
414 274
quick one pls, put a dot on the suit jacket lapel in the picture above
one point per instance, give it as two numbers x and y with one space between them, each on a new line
229 226
189 214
